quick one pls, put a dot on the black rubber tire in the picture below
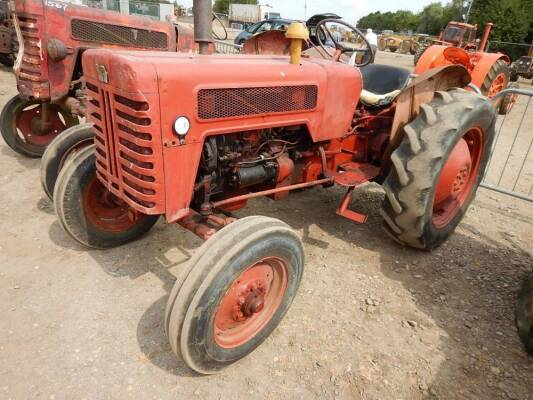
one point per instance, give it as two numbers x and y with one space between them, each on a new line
524 314
192 305
11 136
63 146
7 60
497 68
508 101
73 179
417 163
513 75
419 53
393 49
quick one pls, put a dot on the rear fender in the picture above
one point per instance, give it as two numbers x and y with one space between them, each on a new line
483 64
421 91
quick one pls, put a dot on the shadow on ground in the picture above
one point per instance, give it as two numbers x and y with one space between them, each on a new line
470 298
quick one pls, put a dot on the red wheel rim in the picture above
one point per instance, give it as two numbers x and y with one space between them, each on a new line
458 177
28 118
497 85
250 302
105 211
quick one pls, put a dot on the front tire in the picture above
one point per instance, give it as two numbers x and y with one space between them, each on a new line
234 293
21 128
59 150
89 213
437 168
524 314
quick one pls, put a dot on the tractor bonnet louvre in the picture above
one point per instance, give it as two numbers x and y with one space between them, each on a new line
91 31
127 159
30 69
240 102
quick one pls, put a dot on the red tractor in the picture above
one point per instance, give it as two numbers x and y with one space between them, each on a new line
53 36
193 138
457 34
490 71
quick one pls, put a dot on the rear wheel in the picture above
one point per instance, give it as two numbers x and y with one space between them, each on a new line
89 212
419 53
496 80
59 150
234 293
437 168
7 60
22 127
524 314
393 49
382 44
405 46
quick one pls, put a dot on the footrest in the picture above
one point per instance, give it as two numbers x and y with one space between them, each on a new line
353 174
343 210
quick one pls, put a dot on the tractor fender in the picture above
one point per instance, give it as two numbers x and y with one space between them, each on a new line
431 58
483 64
421 91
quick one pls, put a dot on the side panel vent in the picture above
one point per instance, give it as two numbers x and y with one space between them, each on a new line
239 102
91 31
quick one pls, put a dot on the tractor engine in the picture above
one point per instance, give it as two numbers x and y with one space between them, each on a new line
178 131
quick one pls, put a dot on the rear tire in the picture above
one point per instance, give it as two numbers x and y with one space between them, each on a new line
421 210
496 80
196 317
91 214
59 150
419 53
382 44
524 314
18 120
393 49
7 60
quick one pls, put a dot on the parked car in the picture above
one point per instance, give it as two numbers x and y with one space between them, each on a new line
276 24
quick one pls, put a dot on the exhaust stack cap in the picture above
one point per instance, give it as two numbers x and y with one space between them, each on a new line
298 33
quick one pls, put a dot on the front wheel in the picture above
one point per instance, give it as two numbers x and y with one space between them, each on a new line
89 212
437 168
524 314
234 293
26 131
59 150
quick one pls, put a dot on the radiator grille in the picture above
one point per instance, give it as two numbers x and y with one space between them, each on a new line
91 31
126 149
30 68
238 102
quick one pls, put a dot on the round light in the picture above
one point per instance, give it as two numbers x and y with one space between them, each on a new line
182 126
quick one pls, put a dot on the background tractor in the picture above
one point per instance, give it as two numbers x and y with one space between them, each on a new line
490 71
458 34
53 37
195 137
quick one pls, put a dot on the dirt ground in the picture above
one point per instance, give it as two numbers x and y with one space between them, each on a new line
372 320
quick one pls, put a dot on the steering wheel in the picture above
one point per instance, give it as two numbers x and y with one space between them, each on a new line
216 18
322 31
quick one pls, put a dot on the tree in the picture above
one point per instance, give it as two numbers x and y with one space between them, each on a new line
222 6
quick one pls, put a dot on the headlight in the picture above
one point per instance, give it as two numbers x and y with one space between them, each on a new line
182 126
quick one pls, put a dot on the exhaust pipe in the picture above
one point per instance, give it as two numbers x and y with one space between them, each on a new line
203 25
14 17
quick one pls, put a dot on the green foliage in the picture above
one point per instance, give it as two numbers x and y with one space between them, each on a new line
513 19
222 6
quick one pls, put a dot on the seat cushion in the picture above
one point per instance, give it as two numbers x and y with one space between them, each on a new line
384 79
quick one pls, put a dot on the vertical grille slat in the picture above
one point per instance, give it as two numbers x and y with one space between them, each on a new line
128 157
31 65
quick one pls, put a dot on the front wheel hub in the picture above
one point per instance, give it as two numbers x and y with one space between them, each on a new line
458 178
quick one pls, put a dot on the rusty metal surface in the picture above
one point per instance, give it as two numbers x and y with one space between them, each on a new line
40 77
5 39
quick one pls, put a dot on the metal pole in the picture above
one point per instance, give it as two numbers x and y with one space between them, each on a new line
203 26
305 10
469 9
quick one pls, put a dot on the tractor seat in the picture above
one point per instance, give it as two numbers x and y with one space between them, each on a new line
382 84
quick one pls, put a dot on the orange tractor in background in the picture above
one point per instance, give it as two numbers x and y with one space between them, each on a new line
458 34
490 72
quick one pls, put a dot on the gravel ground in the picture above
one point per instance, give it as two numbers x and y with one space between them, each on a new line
372 320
